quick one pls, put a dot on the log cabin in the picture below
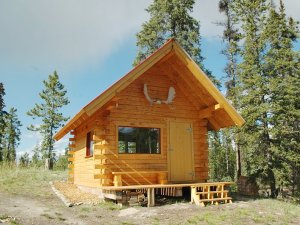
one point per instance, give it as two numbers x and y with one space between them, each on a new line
150 127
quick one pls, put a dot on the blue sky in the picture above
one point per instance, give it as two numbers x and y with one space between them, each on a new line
91 44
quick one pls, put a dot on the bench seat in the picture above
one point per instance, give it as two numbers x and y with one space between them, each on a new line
161 176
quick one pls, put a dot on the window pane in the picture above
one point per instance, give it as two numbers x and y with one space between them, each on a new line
89 144
139 140
91 148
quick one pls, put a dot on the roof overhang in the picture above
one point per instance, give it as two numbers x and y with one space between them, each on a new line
170 48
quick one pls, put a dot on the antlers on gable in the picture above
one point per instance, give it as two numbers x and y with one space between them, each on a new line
171 96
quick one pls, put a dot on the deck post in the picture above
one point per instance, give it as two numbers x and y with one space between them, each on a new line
193 194
151 197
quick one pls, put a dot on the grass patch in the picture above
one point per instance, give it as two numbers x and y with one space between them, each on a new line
48 216
262 211
30 181
156 221
3 217
15 222
82 216
109 205
85 209
61 218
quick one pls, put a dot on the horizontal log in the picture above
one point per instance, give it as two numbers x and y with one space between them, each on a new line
72 146
100 166
102 176
70 166
71 159
138 172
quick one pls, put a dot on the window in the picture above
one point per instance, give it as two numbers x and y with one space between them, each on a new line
139 140
89 144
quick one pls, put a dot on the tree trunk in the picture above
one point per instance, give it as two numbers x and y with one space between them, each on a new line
51 148
47 163
272 184
238 156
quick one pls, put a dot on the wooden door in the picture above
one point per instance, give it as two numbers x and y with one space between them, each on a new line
181 160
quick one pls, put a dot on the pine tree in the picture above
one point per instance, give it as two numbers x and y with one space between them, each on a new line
36 159
12 135
283 67
171 19
24 160
231 38
2 115
53 97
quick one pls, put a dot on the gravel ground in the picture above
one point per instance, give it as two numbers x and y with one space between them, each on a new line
74 194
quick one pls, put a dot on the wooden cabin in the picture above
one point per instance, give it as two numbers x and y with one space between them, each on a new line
150 127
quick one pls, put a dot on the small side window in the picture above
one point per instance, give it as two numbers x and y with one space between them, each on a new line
89 144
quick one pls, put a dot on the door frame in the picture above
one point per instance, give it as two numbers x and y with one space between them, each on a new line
168 146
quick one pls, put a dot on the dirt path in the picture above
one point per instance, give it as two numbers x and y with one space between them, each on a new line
31 211
50 210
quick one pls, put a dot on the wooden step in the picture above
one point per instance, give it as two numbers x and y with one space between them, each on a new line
215 199
211 192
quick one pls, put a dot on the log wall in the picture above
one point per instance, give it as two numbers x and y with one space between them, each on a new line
131 108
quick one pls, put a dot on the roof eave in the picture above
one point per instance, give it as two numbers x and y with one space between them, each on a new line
107 95
208 84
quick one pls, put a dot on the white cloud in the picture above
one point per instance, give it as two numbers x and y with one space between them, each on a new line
207 12
35 139
61 145
68 34
65 33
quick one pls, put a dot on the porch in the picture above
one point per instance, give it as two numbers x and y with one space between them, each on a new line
201 193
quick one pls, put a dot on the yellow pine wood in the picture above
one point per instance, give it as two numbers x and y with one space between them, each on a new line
181 152
138 172
102 176
131 109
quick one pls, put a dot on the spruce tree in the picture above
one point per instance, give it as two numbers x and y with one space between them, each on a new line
53 99
231 38
12 135
171 19
221 157
255 95
283 67
2 115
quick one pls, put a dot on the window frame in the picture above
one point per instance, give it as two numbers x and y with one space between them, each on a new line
140 154
89 145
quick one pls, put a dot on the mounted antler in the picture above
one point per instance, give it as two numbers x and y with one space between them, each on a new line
171 96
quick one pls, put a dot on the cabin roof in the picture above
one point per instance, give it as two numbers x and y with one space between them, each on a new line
220 113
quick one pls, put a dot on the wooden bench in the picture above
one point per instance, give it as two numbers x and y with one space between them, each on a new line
161 176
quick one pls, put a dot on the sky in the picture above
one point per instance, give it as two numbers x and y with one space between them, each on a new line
90 43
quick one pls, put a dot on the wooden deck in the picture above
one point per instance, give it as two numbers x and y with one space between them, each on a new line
201 193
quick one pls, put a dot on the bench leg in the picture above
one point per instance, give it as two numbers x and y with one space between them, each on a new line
117 180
